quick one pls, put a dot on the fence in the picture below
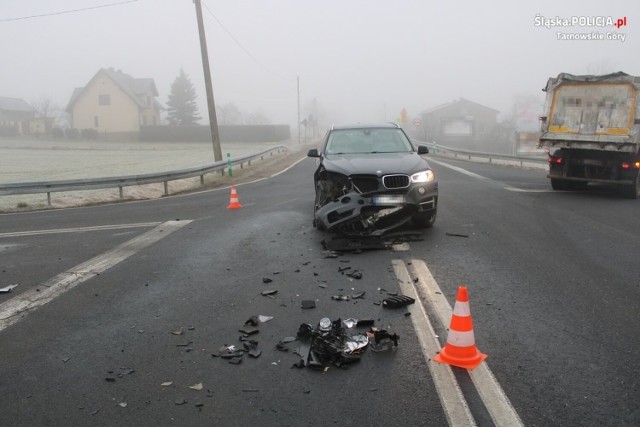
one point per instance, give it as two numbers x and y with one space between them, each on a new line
131 180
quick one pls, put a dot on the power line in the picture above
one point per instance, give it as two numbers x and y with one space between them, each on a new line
240 44
68 11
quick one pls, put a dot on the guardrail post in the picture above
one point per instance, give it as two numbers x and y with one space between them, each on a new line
202 179
120 191
48 198
166 188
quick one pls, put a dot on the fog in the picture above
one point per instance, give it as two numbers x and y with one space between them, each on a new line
357 60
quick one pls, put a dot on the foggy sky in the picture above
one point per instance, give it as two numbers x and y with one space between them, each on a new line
357 60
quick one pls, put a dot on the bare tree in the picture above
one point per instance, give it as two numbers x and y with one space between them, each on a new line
46 110
257 118
229 114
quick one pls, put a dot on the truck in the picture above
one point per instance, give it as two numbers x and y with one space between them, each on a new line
592 124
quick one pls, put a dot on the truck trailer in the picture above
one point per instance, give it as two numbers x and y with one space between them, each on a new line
592 125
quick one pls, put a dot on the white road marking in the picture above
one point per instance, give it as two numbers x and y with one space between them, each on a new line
78 229
453 403
18 307
490 391
457 169
529 190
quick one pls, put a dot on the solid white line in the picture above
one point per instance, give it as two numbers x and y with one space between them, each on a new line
453 403
18 307
457 169
494 399
78 229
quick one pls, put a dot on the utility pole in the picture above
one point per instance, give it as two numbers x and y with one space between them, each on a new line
213 121
298 80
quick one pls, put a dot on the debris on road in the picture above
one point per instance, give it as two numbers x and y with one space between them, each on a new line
269 293
397 301
196 387
456 234
7 289
330 343
266 280
308 303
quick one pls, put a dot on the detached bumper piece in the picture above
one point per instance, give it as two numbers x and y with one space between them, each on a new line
330 344
354 215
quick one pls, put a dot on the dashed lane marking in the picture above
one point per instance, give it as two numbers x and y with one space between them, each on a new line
78 229
490 391
18 307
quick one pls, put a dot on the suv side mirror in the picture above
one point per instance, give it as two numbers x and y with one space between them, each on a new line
423 149
313 153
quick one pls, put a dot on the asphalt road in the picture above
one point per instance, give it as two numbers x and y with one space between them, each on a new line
552 277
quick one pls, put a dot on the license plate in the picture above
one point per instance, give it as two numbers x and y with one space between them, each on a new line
592 162
388 200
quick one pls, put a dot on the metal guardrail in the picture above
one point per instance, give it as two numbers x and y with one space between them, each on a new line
470 155
130 180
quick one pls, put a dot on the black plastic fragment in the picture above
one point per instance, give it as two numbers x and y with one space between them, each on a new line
249 330
266 280
397 301
308 303
253 320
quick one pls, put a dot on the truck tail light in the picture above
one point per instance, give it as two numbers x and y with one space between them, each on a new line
626 165
555 160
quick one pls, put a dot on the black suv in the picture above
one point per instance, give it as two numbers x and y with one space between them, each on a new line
370 179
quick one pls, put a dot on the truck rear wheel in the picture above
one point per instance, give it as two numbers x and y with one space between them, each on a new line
557 184
633 190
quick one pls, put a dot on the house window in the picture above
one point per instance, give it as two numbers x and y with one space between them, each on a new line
104 99
96 122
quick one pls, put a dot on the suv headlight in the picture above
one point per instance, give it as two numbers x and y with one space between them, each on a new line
425 176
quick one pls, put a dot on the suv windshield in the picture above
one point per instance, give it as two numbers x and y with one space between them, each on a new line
356 141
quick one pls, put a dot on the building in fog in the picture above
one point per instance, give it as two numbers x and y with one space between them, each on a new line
114 105
16 116
460 124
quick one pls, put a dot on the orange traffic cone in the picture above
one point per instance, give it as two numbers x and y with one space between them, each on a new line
234 203
461 349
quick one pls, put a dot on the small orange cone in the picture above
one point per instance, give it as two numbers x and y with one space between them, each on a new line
461 349
234 203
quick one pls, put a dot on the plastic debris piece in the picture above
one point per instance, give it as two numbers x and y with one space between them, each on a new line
110 379
308 303
322 285
350 323
178 332
269 292
249 330
7 289
196 387
382 340
355 274
343 269
235 360
280 346
358 295
288 339
397 301
184 344
365 322
267 280
340 297
251 347
253 320
264 319
355 343
456 234
167 383
180 401
122 404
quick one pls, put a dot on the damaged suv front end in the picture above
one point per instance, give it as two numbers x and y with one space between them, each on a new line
370 180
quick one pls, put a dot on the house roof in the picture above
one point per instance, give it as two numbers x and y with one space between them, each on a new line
16 105
133 87
449 104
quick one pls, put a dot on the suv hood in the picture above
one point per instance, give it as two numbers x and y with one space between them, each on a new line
375 163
